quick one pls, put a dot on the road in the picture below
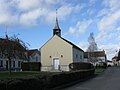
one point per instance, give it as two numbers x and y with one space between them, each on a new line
109 80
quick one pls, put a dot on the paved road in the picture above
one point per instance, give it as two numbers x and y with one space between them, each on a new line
109 80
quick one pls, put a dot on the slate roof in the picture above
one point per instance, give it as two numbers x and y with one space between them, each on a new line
31 52
17 46
74 46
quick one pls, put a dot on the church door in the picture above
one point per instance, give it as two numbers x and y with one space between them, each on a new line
56 63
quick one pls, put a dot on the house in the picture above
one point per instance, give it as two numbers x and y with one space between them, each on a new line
115 61
57 53
33 55
97 58
16 60
109 63
15 64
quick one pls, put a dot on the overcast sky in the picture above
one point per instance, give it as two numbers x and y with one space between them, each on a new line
33 21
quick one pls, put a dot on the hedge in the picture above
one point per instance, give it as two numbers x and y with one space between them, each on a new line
21 84
80 66
63 78
31 66
44 82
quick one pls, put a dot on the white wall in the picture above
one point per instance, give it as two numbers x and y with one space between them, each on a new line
110 63
78 55
101 59
33 58
16 63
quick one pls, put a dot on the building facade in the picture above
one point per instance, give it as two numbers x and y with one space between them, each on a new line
33 55
97 58
11 49
115 61
15 64
57 53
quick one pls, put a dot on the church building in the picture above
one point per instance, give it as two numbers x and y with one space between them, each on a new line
57 53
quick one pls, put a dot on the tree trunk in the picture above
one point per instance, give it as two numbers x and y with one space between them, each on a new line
9 60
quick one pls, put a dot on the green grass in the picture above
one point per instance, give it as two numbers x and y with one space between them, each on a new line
17 74
99 70
6 74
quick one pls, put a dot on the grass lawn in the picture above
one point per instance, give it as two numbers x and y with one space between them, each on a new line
5 74
99 70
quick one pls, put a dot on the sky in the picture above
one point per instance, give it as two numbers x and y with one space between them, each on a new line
33 22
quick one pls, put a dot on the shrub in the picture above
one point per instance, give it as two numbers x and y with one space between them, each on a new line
67 77
102 65
80 66
44 81
22 84
31 66
2 85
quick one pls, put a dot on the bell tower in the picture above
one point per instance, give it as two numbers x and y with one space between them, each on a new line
57 30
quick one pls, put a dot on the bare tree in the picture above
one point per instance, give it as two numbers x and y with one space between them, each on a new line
11 48
92 48
92 43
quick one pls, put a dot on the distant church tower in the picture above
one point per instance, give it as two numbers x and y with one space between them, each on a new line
6 36
57 30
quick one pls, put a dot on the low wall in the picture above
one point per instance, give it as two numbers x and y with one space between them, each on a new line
61 68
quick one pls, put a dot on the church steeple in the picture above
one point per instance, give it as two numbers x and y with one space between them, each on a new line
56 30
6 36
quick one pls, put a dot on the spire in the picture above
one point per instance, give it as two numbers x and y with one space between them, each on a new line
6 36
56 24
56 30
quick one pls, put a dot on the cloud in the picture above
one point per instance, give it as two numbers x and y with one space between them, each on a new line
112 5
30 18
84 45
6 14
118 38
109 21
63 12
103 12
53 2
26 5
108 27
92 1
91 11
28 12
118 28
110 49
80 27
109 17
66 10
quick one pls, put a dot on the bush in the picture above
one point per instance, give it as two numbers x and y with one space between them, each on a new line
80 66
67 77
45 81
102 65
2 85
25 84
22 84
31 66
